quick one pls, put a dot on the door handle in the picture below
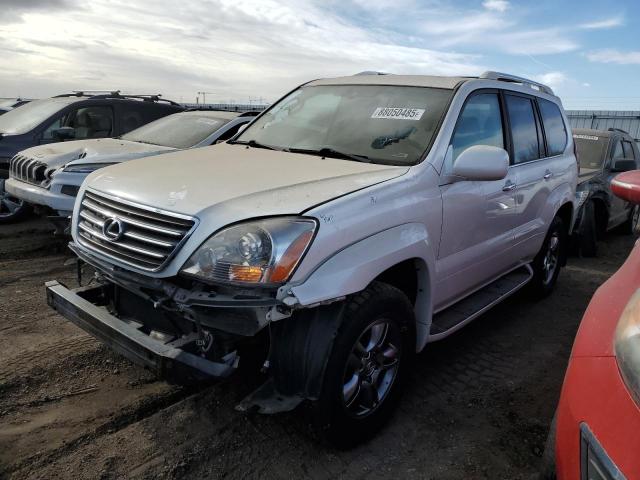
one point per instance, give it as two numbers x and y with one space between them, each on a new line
547 175
508 186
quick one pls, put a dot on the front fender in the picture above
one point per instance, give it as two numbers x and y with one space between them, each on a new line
356 266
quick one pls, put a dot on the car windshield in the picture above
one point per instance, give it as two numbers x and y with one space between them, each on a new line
27 117
379 123
180 130
591 151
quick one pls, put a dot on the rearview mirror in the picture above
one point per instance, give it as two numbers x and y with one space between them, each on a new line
64 133
482 162
623 165
627 186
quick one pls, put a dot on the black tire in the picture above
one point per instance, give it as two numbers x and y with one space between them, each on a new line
630 226
588 233
548 467
553 248
342 424
11 208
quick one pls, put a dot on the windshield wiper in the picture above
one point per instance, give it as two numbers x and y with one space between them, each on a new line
254 144
331 153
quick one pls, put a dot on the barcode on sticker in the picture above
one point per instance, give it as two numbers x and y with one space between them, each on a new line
398 113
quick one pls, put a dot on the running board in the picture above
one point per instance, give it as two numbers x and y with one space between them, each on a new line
459 314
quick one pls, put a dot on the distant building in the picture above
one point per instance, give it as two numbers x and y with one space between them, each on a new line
629 121
231 107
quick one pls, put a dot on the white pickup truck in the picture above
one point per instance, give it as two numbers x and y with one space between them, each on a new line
353 222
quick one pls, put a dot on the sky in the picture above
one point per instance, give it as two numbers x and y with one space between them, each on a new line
241 50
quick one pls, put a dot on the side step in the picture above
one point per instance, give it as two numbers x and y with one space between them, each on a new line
459 314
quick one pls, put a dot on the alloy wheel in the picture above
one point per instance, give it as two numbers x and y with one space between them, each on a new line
372 367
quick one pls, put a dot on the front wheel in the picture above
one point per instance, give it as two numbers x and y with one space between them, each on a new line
630 226
369 362
11 209
548 261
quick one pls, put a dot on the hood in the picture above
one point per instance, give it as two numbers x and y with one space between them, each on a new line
237 180
101 150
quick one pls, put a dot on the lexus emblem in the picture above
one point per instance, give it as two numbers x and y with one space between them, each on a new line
113 229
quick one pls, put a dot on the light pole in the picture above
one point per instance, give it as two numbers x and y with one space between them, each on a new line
204 96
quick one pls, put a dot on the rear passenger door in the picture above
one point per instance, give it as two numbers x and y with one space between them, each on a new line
537 164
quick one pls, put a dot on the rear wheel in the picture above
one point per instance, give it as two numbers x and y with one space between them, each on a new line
12 209
547 263
588 231
368 365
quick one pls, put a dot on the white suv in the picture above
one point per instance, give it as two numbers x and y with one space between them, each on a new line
350 224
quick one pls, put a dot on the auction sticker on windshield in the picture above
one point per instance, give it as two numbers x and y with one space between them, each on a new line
395 113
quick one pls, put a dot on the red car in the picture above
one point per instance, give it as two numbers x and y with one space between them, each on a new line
597 423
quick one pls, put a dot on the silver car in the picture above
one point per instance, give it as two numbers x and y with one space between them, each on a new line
50 175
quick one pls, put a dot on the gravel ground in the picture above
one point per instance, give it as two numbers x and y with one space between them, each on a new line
479 406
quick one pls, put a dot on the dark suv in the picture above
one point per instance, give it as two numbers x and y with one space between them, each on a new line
74 116
602 155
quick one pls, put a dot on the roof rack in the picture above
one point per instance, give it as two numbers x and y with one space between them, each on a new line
613 129
96 94
369 72
505 77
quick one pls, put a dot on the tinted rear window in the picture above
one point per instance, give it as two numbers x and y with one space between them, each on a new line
554 127
523 129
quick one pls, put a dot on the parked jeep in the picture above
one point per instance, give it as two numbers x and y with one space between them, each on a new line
603 154
351 223
50 175
74 116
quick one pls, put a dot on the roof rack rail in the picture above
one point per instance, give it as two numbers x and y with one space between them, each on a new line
96 94
613 129
505 77
369 72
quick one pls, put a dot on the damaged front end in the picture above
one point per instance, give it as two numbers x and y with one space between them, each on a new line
179 329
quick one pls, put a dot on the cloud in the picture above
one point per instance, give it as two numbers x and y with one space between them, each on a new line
603 24
497 5
586 84
13 10
610 55
552 79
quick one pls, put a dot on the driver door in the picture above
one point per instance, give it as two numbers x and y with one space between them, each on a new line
478 216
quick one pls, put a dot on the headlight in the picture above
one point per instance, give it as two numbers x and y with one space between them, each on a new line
86 167
257 252
627 345
581 197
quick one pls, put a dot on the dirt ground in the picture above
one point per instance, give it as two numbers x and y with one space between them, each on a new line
479 406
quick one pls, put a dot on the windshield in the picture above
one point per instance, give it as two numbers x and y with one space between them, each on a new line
379 123
591 151
27 117
177 131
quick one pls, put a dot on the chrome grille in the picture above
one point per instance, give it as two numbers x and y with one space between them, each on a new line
27 169
133 234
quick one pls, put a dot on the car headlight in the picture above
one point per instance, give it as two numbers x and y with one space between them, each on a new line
581 197
627 345
86 167
260 252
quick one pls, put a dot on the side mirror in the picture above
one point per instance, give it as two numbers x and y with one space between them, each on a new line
64 133
623 165
242 128
627 186
482 162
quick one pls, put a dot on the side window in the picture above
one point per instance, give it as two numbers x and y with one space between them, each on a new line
92 122
523 129
618 151
229 133
56 124
628 150
480 123
554 127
